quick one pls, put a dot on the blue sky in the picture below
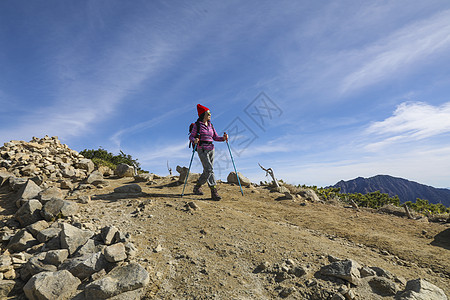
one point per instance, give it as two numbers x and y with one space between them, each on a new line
317 90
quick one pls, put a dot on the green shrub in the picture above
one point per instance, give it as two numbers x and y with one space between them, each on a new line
101 157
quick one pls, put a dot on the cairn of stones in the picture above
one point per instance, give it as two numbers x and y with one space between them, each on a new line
45 252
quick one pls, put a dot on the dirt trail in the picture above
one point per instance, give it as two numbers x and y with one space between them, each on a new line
211 252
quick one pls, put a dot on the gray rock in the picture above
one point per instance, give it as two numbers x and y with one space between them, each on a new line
59 285
346 269
366 272
29 212
36 265
59 208
90 247
84 266
38 226
193 177
130 250
4 176
383 273
309 195
108 234
6 286
120 280
29 190
47 234
115 253
383 286
143 177
124 170
85 164
21 241
50 194
56 257
95 178
84 199
73 238
243 180
5 263
16 183
128 189
420 289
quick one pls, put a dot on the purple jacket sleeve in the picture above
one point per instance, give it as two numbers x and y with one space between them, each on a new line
216 137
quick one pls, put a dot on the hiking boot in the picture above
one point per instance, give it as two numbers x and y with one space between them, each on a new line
197 190
214 195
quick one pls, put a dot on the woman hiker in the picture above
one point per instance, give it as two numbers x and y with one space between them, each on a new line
203 137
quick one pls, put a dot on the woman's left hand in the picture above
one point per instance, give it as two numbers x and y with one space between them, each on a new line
225 136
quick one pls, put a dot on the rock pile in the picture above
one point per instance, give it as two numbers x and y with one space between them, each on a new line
47 253
347 280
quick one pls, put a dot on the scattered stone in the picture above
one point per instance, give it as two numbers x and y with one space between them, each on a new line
49 194
346 269
287 291
193 177
383 286
73 238
115 253
84 266
128 189
143 177
121 279
29 212
419 289
124 170
95 178
47 234
84 199
36 265
21 241
232 178
37 226
86 164
29 190
6 286
5 263
158 249
108 234
56 257
366 272
51 285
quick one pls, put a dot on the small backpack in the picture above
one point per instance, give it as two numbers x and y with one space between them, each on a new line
198 131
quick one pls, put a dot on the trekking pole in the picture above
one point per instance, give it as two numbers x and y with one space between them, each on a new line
189 170
235 169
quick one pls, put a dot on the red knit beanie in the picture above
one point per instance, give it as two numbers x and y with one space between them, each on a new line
201 109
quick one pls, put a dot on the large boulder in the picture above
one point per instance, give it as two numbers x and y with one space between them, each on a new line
59 208
193 177
128 189
85 164
6 286
50 193
29 212
29 190
420 289
51 285
243 180
73 238
346 269
36 265
124 170
95 178
84 266
120 280
21 241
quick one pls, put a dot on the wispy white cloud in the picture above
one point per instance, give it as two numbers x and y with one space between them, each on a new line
403 50
411 121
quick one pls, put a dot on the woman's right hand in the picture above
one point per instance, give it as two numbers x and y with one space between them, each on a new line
196 141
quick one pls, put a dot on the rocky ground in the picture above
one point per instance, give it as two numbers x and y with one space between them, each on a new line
257 246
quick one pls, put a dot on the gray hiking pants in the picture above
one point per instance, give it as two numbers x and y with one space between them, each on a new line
207 159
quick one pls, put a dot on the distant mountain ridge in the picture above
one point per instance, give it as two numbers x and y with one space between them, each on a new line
405 189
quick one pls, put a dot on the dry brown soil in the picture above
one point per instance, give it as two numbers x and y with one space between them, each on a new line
211 252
